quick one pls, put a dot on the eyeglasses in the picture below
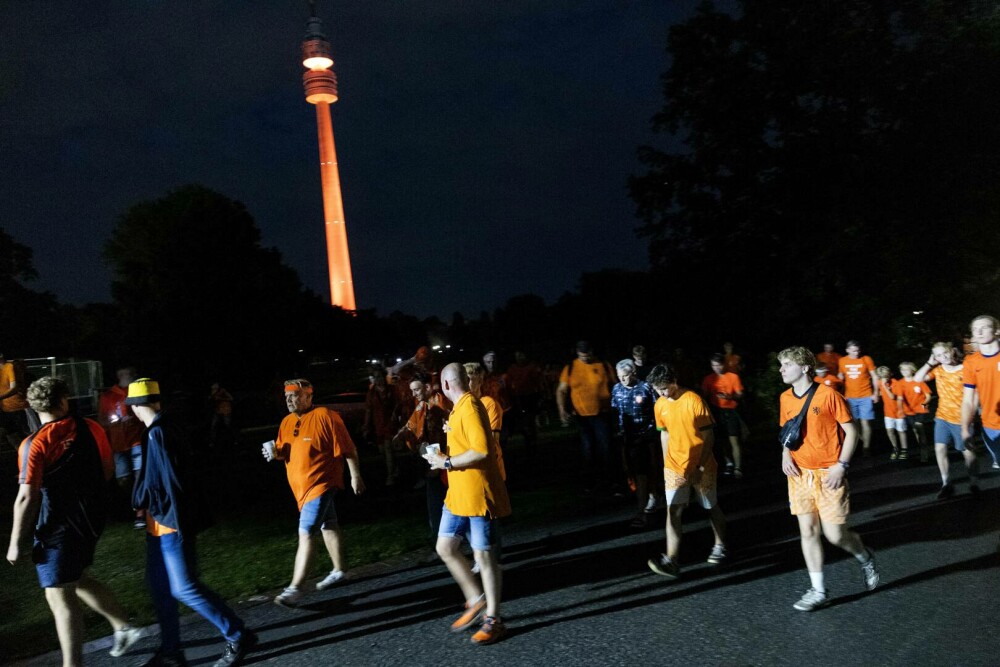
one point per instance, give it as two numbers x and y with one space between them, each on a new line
295 433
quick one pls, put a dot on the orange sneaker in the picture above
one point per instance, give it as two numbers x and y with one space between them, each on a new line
473 611
492 630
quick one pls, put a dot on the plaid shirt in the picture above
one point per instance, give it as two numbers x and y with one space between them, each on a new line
635 407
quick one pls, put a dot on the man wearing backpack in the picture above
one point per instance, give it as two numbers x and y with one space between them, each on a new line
818 492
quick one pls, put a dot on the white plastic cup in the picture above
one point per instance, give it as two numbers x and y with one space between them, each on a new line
271 453
434 449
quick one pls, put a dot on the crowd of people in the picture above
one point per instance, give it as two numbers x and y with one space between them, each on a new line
454 423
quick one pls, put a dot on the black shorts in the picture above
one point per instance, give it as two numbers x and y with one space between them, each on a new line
729 421
63 564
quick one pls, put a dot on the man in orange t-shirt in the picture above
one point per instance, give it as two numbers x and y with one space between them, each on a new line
818 492
895 419
689 468
981 377
860 382
314 443
63 471
722 389
916 397
13 405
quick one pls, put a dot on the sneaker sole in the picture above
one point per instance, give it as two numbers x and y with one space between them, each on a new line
812 608
477 617
286 604
656 570
486 642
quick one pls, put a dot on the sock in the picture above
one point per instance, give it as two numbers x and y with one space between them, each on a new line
864 556
817 581
944 480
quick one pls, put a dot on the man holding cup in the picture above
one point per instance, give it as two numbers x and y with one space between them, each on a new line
314 443
476 498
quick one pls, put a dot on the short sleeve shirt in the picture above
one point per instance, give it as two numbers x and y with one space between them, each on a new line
588 386
824 437
889 404
727 383
949 391
17 401
857 376
40 451
686 421
831 381
982 373
914 395
314 446
479 489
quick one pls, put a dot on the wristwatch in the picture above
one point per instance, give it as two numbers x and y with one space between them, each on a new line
447 464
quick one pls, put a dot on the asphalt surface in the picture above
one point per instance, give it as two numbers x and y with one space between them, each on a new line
579 592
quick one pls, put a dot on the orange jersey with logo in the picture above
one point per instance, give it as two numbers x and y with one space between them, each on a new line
983 374
727 383
857 376
313 447
949 391
914 396
824 438
686 420
43 449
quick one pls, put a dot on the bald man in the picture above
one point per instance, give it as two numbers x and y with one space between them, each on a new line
476 498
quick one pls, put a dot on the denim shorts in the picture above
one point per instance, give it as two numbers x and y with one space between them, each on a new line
946 433
480 531
62 565
862 408
128 462
318 513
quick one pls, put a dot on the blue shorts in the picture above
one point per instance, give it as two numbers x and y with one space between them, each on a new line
62 565
862 408
991 438
946 433
128 462
318 513
480 531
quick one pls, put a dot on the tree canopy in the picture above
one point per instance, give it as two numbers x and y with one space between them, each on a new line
840 166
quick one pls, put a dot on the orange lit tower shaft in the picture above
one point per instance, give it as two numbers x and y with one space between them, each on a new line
321 90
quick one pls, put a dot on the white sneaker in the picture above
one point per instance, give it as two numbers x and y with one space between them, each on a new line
335 577
812 600
650 504
290 597
124 639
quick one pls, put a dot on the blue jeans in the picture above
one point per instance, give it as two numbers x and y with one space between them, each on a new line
595 438
171 572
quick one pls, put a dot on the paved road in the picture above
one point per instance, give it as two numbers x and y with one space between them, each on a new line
579 592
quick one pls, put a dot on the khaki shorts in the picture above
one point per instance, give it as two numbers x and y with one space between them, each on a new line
678 490
807 495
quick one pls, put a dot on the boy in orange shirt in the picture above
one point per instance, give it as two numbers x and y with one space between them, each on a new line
945 368
895 421
818 492
858 374
686 436
916 396
722 389
823 376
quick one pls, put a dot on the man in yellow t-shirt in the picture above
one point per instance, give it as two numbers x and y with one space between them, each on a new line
588 381
686 436
476 498
13 404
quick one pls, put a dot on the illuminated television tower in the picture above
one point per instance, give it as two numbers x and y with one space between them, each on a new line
321 89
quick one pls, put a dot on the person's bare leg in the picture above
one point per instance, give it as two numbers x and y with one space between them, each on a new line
812 544
674 513
893 439
839 535
492 574
458 566
303 559
335 547
941 453
99 597
866 434
718 521
69 623
734 444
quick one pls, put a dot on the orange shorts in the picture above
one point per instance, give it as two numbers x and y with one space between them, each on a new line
807 495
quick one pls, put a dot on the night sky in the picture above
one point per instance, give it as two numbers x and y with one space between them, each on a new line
484 146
